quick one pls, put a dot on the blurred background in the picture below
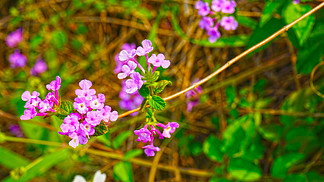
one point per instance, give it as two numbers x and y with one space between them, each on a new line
260 120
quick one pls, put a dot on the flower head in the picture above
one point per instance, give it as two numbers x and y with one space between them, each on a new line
229 23
202 7
127 70
214 34
55 84
206 22
134 84
127 55
38 68
150 149
14 38
147 48
228 6
217 5
159 60
169 128
143 134
17 60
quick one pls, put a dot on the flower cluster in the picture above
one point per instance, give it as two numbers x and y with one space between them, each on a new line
129 101
129 64
146 134
35 106
218 15
89 112
19 60
192 97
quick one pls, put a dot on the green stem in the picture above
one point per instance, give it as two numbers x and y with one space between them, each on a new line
28 140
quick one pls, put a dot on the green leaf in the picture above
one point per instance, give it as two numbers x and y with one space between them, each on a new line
158 87
149 113
59 39
41 165
65 108
118 141
314 177
123 171
296 178
244 170
11 159
81 28
269 8
309 57
36 41
262 32
282 164
211 148
303 28
230 94
272 132
100 129
132 153
151 77
144 91
233 138
246 21
157 103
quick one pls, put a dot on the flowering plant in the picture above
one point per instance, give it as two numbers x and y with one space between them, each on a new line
144 80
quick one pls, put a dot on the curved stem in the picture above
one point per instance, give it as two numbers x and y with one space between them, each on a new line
232 61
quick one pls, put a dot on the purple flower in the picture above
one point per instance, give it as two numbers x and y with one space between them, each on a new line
202 7
296 1
14 38
38 68
129 101
55 85
159 60
80 105
150 149
127 55
32 100
206 22
217 5
93 118
213 34
143 134
127 69
17 60
229 7
28 114
87 129
193 97
16 130
229 23
76 139
119 64
86 92
169 128
147 47
71 123
95 103
45 106
135 83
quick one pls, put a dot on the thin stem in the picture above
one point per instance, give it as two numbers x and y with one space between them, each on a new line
28 140
148 64
139 65
232 61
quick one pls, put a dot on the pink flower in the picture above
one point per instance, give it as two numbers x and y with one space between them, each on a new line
135 83
229 7
202 7
55 85
217 5
169 128
127 69
159 60
127 55
213 34
150 149
143 134
17 60
38 68
228 23
147 48
14 38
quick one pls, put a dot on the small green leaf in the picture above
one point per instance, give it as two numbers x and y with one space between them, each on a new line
144 91
157 103
100 129
123 171
246 21
271 132
118 141
149 113
269 8
295 178
151 77
244 170
282 164
132 153
144 104
158 87
65 108
212 147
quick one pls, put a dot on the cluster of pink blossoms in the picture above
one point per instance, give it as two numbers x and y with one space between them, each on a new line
128 101
19 60
129 64
90 112
146 134
35 106
218 15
